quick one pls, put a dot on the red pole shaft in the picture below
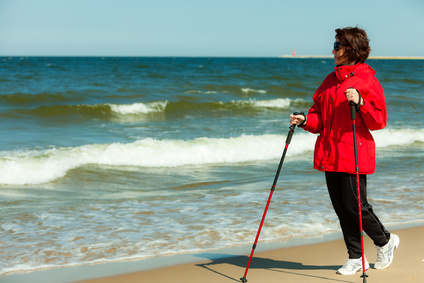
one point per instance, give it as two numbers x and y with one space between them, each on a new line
353 116
360 221
259 232
288 140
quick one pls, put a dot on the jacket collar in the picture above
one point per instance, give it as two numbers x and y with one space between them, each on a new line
345 72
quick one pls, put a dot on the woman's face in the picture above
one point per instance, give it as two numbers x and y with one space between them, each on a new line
338 53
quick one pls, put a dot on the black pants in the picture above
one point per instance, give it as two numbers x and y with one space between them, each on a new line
342 188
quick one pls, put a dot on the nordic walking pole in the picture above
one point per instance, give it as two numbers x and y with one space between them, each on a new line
353 117
288 140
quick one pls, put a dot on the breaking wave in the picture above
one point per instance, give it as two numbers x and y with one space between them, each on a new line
42 166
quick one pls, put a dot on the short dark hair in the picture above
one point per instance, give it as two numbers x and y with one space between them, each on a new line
356 43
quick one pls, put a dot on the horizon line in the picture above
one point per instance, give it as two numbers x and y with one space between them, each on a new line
170 56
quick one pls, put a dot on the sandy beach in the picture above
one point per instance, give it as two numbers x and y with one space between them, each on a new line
308 263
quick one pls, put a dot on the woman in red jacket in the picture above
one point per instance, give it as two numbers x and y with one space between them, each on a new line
329 117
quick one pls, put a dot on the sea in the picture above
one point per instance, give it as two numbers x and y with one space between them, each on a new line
111 159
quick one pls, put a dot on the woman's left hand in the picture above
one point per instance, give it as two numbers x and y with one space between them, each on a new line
353 95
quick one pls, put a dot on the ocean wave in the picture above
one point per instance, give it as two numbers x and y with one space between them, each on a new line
138 108
110 111
42 166
78 112
397 137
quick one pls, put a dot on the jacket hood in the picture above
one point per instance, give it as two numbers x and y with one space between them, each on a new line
344 72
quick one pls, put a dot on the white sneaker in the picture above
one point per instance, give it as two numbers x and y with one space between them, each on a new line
385 253
352 266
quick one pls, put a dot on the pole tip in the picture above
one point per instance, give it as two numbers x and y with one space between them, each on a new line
243 279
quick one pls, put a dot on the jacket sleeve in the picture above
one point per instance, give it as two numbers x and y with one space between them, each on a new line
373 112
314 122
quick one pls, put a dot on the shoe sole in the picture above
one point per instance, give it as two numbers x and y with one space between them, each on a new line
396 244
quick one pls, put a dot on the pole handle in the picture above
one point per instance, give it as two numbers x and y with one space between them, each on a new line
352 110
290 134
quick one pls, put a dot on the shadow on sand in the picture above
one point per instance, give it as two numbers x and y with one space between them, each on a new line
287 267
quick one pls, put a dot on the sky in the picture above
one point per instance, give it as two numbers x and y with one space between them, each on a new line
200 28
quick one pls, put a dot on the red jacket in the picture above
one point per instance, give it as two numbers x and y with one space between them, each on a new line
330 118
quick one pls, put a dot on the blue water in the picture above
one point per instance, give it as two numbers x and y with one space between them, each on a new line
110 159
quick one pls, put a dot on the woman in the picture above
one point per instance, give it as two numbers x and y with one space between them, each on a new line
352 81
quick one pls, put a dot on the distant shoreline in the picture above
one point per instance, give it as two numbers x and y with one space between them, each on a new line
371 57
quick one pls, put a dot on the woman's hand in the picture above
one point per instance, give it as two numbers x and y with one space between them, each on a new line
297 119
353 95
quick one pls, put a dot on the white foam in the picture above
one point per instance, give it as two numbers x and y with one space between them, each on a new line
205 92
138 108
247 90
274 103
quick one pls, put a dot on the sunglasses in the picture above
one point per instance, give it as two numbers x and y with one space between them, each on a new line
337 46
